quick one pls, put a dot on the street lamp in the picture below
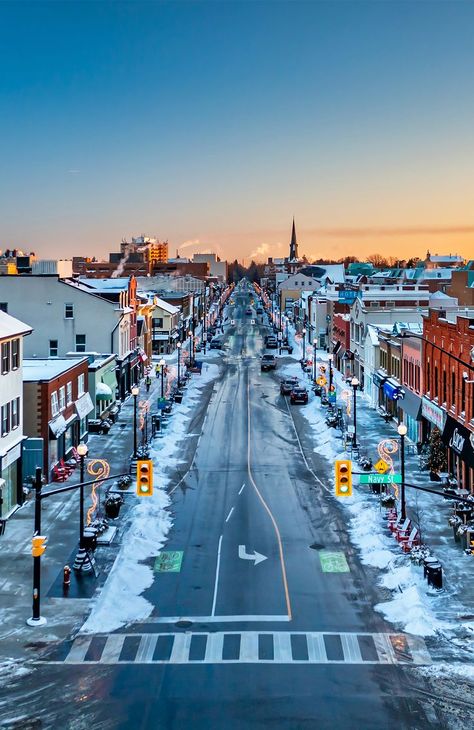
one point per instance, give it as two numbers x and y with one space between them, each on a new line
135 392
162 364
82 451
354 383
178 347
191 347
315 345
330 359
304 343
402 432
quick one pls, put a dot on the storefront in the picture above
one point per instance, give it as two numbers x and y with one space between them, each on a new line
460 445
410 405
57 429
10 480
379 377
392 393
431 415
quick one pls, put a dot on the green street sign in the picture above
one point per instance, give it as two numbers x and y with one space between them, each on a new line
169 561
380 479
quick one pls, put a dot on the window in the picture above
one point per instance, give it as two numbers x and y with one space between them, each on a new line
62 398
445 388
15 407
453 388
80 343
69 311
69 392
5 419
15 354
54 403
53 348
5 357
80 385
4 307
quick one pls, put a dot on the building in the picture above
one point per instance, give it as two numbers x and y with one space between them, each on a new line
136 257
165 320
217 268
12 332
462 285
56 405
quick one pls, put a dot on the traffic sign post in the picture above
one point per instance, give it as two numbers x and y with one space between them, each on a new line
380 479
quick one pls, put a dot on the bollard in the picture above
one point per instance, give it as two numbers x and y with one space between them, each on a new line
66 578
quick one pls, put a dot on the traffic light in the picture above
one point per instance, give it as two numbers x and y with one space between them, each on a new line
38 545
144 478
343 478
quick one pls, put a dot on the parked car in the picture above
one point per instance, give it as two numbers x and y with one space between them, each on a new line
288 347
216 343
272 343
248 311
287 385
268 362
299 395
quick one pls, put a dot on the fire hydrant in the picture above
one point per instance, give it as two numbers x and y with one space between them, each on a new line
66 577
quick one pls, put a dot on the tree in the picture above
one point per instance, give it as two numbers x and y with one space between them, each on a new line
436 461
377 260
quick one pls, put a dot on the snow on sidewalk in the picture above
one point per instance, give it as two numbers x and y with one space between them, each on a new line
121 601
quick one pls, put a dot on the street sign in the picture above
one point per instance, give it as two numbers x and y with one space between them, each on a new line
380 479
252 321
161 403
381 466
332 396
321 381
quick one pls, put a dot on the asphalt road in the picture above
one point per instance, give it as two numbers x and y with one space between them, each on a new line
269 621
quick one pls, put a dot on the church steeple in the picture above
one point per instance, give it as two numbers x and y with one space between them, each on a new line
294 243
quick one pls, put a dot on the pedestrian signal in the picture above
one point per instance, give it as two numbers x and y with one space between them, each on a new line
144 478
343 478
38 545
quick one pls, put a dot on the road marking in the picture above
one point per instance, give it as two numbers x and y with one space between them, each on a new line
168 561
242 488
257 557
216 582
267 508
350 642
230 618
228 516
324 486
333 562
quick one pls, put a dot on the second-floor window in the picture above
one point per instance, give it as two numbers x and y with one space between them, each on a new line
5 419
54 403
80 343
53 348
62 398
69 311
5 357
69 392
15 412
15 354
80 385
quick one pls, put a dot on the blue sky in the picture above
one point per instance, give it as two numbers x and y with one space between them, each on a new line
215 122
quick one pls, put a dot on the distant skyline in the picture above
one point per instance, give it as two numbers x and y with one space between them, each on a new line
211 124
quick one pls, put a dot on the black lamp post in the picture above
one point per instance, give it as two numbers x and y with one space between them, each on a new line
82 451
304 343
402 431
315 345
162 370
178 347
191 347
135 392
354 383
330 359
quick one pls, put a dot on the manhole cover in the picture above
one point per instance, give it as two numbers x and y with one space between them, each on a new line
183 624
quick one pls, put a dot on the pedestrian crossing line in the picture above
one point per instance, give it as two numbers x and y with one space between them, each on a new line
288 648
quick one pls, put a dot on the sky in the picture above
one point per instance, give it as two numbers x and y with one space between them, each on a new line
210 124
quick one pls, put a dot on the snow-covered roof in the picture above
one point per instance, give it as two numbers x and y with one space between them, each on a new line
35 369
12 327
170 308
106 285
437 274
445 259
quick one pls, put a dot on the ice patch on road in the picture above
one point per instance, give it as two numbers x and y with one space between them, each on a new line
121 601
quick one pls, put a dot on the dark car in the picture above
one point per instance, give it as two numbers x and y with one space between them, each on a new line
272 343
299 395
248 311
268 362
287 385
288 347
216 343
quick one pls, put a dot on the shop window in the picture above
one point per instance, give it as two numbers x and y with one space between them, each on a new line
62 398
15 354
5 357
54 403
80 343
5 419
53 348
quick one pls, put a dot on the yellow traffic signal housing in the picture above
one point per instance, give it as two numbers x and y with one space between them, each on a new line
38 545
343 478
144 478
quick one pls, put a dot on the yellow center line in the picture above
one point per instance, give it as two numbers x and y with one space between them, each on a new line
267 508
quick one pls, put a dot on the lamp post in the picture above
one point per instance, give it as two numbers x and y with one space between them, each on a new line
191 347
354 383
178 347
402 432
82 451
330 359
304 343
162 369
135 392
315 345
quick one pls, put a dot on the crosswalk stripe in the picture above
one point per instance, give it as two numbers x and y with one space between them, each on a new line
412 649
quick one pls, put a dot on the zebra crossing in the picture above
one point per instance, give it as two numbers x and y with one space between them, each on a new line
248 647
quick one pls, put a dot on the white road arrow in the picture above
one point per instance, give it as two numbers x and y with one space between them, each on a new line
257 557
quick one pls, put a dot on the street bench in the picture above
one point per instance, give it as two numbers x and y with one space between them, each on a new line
403 531
409 543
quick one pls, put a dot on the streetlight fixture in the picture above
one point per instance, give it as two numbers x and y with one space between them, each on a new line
402 432
304 343
162 364
354 383
315 345
178 347
135 392
191 347
82 450
330 359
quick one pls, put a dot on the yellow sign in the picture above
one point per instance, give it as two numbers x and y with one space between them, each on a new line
321 381
381 466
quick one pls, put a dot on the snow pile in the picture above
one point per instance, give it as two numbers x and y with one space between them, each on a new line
121 601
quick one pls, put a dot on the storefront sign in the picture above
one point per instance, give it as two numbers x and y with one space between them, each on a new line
378 379
433 413
84 405
11 456
460 440
58 426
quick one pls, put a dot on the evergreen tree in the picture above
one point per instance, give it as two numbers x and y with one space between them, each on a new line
436 453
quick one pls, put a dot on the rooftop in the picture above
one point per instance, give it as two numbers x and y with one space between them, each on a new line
35 369
12 327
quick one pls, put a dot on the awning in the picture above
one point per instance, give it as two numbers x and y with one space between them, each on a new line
84 405
336 346
348 355
460 440
411 404
379 378
103 392
392 389
142 355
58 426
175 335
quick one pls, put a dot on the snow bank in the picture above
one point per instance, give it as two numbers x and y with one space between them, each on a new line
120 601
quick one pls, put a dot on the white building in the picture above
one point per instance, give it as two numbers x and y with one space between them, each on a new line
217 268
12 332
